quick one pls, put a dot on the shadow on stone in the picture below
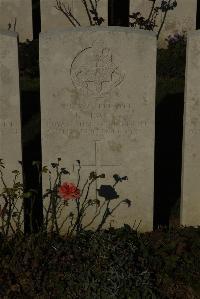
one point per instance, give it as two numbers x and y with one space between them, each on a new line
31 143
168 158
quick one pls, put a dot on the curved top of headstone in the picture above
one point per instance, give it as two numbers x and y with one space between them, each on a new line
98 28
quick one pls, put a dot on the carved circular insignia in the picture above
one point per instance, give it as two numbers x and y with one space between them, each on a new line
94 73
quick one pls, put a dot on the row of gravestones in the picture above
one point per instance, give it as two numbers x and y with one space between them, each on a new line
97 89
18 13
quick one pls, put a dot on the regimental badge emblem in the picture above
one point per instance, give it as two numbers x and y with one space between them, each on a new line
94 73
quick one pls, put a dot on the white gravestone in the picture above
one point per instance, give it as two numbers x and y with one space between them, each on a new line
51 18
10 126
97 106
190 201
17 13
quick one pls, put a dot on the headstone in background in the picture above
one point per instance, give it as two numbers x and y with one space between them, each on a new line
51 18
17 13
182 18
10 125
190 202
97 106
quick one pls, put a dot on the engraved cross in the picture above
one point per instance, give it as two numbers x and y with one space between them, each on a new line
97 163
101 75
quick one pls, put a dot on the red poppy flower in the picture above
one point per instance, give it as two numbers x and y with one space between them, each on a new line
68 191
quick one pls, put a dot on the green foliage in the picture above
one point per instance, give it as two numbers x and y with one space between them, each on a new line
150 22
57 200
175 258
93 265
112 263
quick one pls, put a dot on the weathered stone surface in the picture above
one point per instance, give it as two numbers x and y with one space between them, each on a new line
190 203
182 18
21 10
97 106
10 127
51 18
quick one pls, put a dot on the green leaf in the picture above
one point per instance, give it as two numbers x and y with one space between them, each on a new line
27 195
44 169
33 191
36 163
